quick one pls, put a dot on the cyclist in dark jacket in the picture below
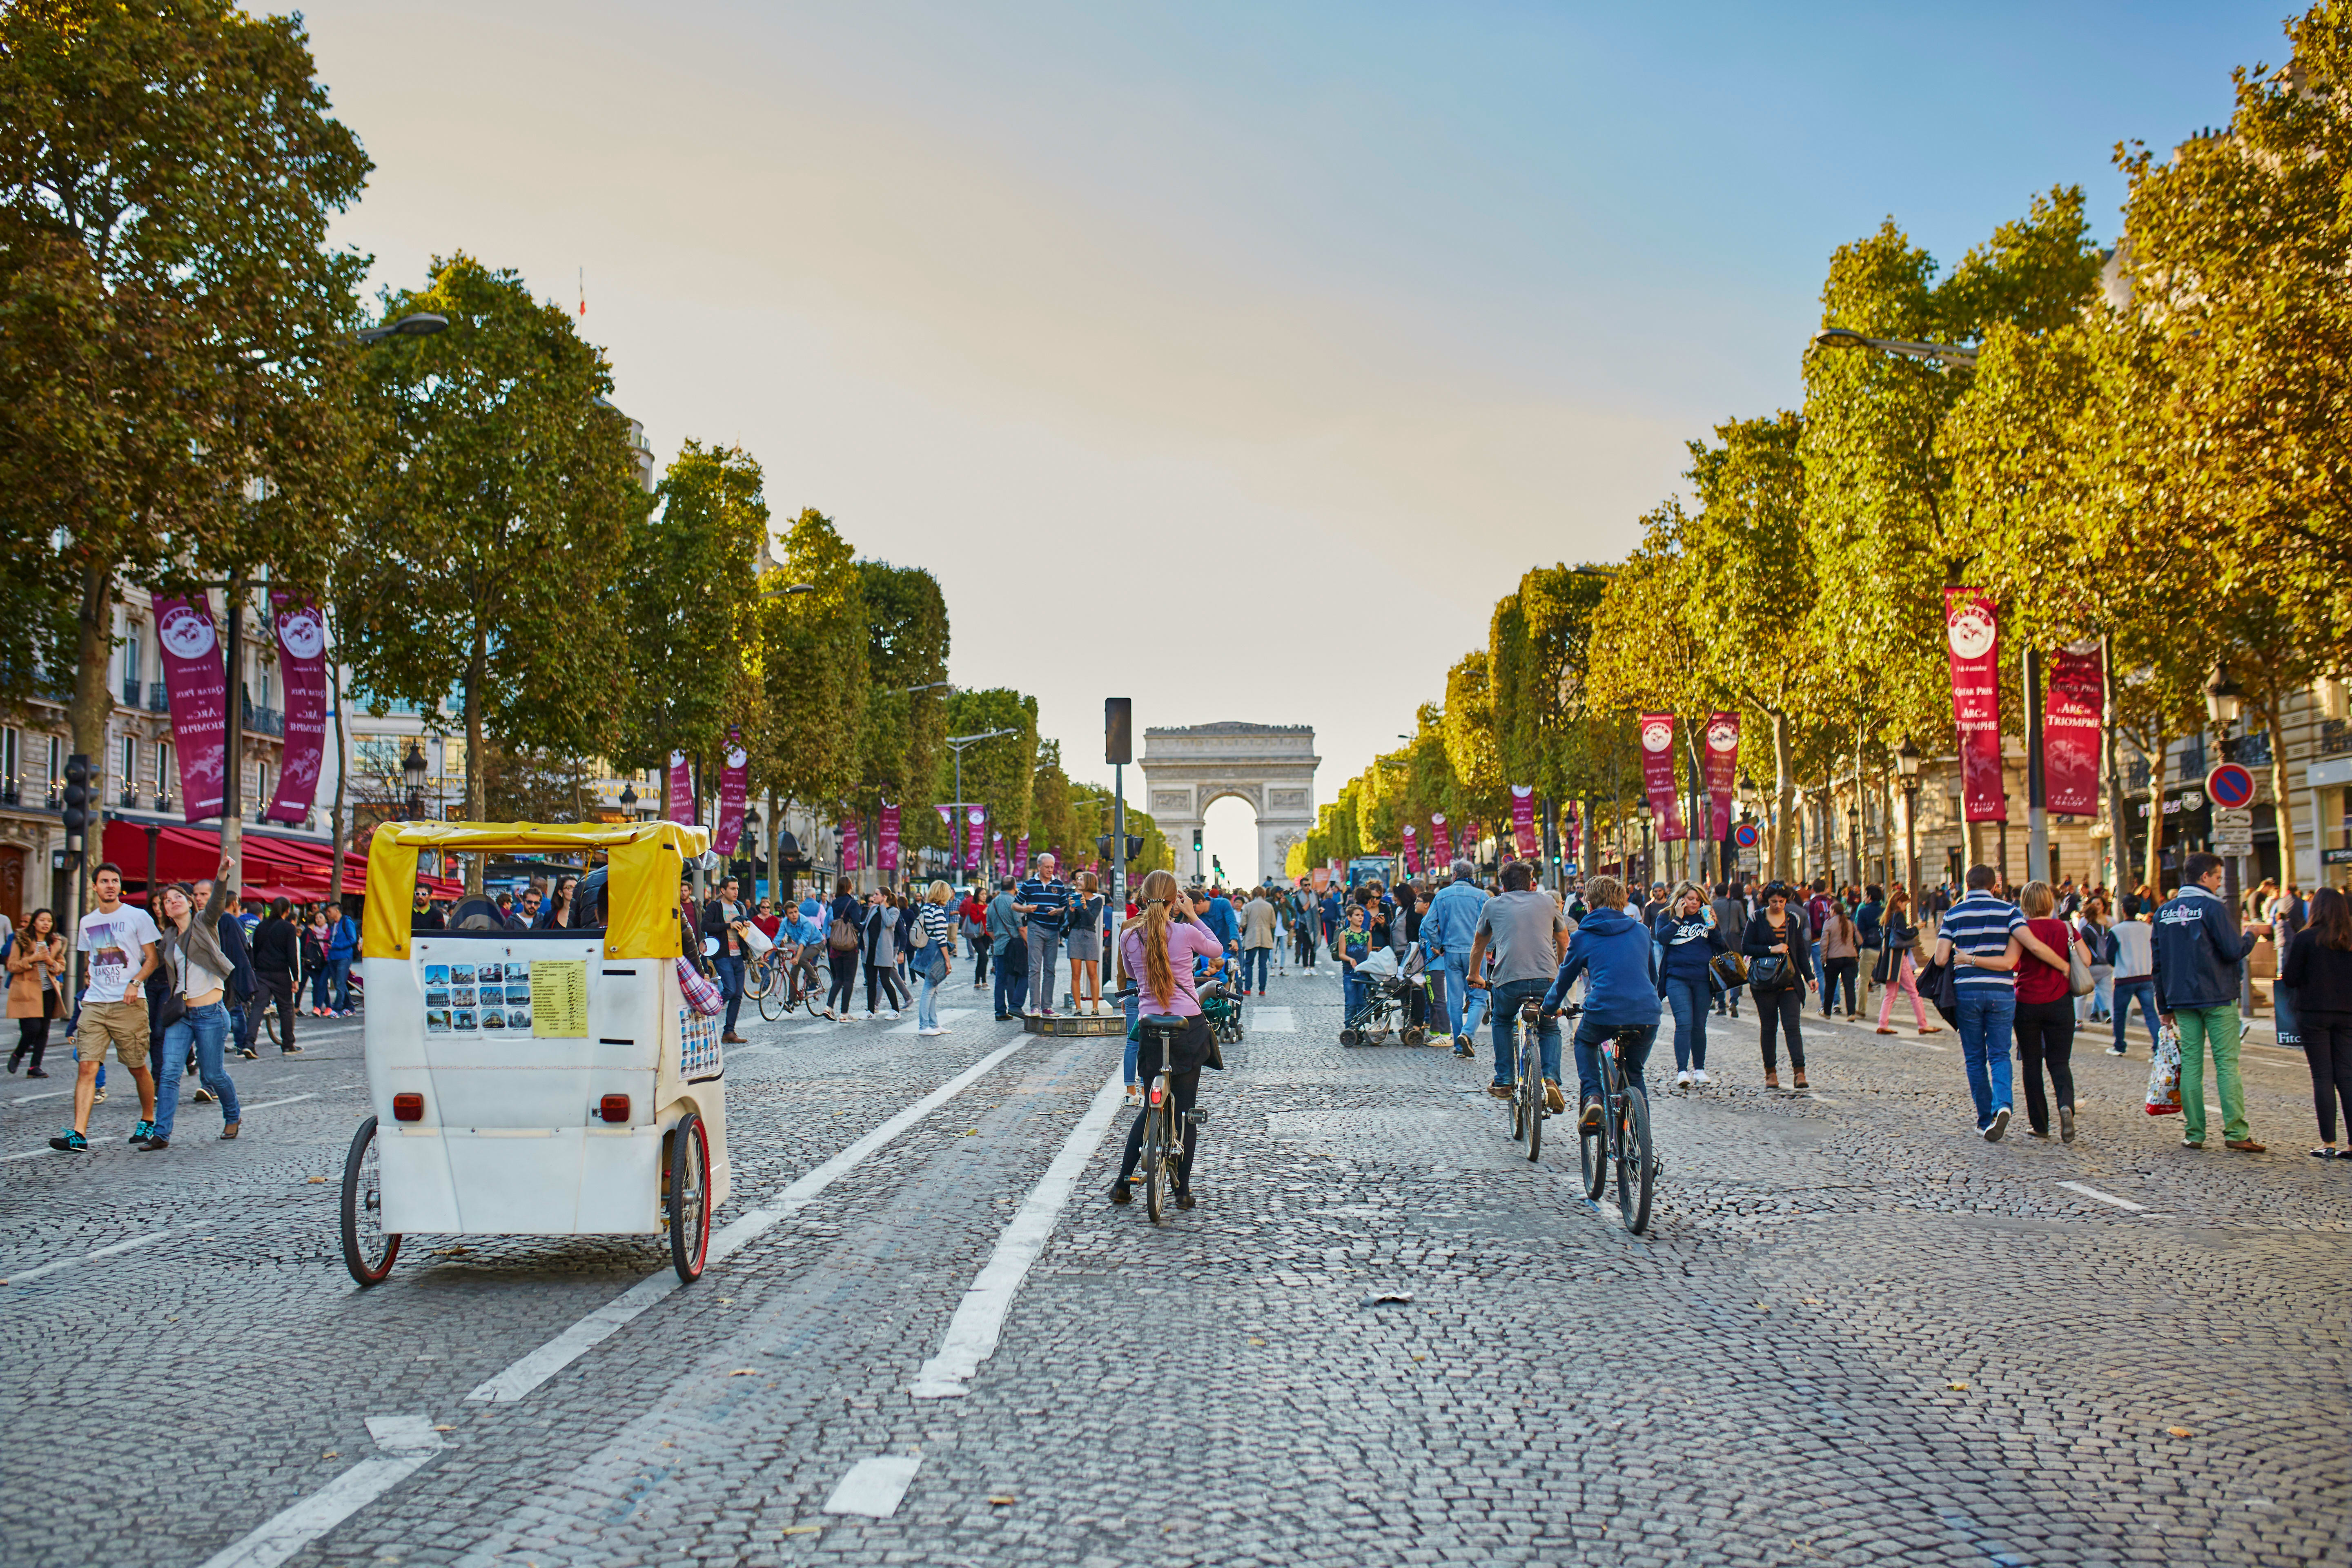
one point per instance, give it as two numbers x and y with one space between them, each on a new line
1612 950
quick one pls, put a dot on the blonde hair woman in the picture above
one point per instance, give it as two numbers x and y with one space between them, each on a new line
930 962
1159 949
1085 945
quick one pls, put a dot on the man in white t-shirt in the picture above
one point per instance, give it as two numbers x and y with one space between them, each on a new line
119 941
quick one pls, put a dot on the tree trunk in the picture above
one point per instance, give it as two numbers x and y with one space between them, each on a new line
86 715
1784 791
2154 873
477 803
2282 803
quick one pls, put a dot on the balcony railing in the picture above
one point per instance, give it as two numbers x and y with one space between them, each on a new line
265 721
130 799
2335 736
130 694
159 697
11 792
162 803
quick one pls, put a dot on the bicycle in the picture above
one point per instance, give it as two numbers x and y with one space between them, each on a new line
1524 1112
1621 1141
1164 1135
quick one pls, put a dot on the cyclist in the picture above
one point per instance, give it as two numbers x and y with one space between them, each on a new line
1612 950
1523 926
1160 950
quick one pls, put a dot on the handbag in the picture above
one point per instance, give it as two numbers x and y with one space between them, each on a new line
1769 973
1937 984
698 992
2078 974
1883 973
843 938
1730 969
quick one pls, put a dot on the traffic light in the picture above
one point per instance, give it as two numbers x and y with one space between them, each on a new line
1119 728
78 793
1134 844
1196 841
1102 845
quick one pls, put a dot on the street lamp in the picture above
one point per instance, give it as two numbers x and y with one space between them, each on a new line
1847 337
957 744
412 771
927 686
2223 698
1906 764
423 324
787 592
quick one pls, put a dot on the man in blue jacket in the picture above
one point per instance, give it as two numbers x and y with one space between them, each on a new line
1446 935
1611 950
2197 946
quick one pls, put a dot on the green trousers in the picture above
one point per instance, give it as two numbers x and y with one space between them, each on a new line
2219 1027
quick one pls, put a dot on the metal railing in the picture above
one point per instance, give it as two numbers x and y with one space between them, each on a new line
159 697
267 721
131 693
130 798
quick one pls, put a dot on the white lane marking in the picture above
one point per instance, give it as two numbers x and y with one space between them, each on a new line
980 1318
266 1104
874 1486
1264 1020
409 1444
2105 1198
45 1094
535 1368
108 1251
946 1016
1826 1100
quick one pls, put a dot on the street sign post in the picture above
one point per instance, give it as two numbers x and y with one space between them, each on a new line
1746 836
2231 786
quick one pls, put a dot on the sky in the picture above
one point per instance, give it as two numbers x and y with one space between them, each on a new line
1231 358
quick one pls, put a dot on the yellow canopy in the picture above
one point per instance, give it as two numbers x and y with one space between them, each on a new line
646 860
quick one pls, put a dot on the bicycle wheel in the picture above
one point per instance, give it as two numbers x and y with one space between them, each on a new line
776 999
269 1022
1593 1148
1635 1171
1155 1154
759 980
368 1251
1531 1089
812 996
1515 1108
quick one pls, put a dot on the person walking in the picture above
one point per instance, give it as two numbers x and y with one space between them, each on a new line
1901 969
1042 901
1448 933
1085 944
2318 971
1978 938
1778 946
198 971
1687 934
1258 937
1305 923
316 934
1729 905
2134 940
276 956
343 948
973 914
2199 943
723 916
1524 926
1005 930
1841 947
880 943
2092 926
36 967
843 941
2044 1020
1869 918
933 964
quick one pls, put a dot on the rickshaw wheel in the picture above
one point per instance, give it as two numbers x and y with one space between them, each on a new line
687 1208
368 1252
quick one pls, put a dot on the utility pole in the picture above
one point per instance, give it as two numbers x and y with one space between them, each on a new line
2037 797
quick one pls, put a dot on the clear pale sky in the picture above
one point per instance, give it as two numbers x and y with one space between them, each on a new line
1233 358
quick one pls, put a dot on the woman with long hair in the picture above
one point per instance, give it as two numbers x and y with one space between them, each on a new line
1085 945
556 914
931 960
882 955
1840 959
197 972
1902 935
843 943
1686 930
318 932
1160 950
35 993
2318 971
1778 932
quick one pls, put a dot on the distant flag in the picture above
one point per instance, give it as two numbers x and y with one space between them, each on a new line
583 291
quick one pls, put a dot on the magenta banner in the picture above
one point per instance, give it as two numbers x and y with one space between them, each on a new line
681 789
1722 772
1658 774
199 686
2071 722
850 860
1972 634
1441 846
1021 857
998 858
1523 818
976 844
885 852
1412 851
733 785
302 659
1476 842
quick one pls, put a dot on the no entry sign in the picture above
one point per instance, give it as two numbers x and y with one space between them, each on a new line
2230 785
1746 836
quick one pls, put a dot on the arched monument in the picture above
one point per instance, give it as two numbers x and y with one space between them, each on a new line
1272 766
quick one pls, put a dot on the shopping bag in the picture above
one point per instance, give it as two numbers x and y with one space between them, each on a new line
2164 1074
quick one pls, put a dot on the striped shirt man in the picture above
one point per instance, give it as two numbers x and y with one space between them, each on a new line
1048 902
1980 925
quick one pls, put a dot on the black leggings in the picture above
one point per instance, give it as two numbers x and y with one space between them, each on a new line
2045 1038
1786 1010
1183 1087
885 976
2327 1046
979 948
33 1036
1303 938
842 994
1837 969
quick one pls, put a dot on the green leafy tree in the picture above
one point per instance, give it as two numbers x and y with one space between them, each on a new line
811 653
906 647
997 774
498 524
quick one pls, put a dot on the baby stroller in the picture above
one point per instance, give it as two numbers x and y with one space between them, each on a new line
1223 1008
1389 988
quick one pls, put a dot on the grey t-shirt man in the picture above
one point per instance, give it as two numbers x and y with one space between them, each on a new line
1523 932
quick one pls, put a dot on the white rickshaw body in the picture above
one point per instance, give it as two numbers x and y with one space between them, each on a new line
530 1082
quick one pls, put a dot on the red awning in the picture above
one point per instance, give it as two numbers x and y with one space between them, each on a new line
272 868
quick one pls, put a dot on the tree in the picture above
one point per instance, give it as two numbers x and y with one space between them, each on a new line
498 523
998 774
685 604
174 363
812 663
906 647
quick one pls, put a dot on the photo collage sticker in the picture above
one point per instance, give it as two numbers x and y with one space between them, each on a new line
476 998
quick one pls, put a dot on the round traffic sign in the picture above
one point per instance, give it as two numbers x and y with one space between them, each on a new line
1746 836
2230 785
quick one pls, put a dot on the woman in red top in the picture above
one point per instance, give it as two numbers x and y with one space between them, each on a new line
2045 1009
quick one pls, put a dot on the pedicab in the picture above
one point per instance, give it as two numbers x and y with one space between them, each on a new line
535 1082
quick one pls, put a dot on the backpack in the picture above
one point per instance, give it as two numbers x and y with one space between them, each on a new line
843 937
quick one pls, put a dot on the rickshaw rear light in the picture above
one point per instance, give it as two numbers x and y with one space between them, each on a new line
613 1108
408 1108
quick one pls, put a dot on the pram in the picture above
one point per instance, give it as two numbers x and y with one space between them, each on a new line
1222 1008
1389 988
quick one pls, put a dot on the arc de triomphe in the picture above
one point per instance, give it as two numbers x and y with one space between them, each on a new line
1272 766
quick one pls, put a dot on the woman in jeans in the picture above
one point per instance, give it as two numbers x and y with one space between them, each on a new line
197 972
841 996
1085 945
1686 930
931 960
2045 1021
1778 932
1902 938
2099 942
1841 960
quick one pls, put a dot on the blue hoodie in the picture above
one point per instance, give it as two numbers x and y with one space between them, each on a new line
1612 949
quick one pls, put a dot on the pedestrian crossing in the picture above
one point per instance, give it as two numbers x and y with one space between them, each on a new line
946 1017
1264 1020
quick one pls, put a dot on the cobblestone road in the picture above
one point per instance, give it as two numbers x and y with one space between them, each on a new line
1857 1333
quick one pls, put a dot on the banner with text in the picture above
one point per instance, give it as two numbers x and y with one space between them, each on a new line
302 657
1523 819
885 852
1412 851
198 688
734 785
1440 846
681 789
850 858
2070 719
1658 774
975 856
1021 855
1722 773
1972 636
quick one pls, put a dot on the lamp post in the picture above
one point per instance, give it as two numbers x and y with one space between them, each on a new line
1847 337
1642 815
1906 764
957 744
412 772
423 324
2224 700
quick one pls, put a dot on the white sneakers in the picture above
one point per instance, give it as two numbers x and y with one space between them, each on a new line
1683 1078
892 1014
933 1031
1698 1075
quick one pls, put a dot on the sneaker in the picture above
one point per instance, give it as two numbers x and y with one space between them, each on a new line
868 1015
930 1031
1134 1095
1119 1194
2185 1143
70 1142
249 1053
1499 1091
2116 1051
892 1014
204 1097
140 1132
1999 1125
1462 1049
1554 1101
36 1072
1591 1117
100 1096
1682 1079
1698 1075
155 1146
2065 1124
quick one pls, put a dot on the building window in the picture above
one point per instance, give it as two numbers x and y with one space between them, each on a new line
55 778
2192 757
134 667
166 782
130 771
12 780
2335 736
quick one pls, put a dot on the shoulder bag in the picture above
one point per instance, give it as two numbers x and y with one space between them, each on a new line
2078 974
1769 973
843 938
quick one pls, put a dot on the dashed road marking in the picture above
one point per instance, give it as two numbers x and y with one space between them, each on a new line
408 1445
266 1104
32 1274
523 1375
2090 1191
1264 1020
980 1318
874 1486
946 1016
